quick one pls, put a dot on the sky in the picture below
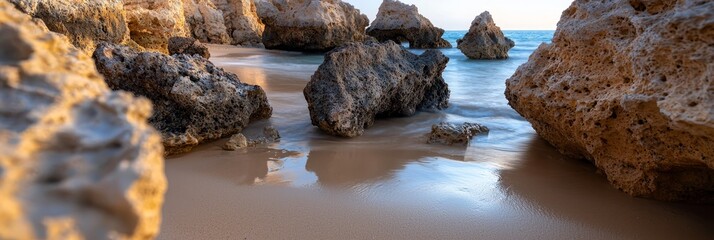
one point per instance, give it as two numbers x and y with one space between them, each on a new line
458 14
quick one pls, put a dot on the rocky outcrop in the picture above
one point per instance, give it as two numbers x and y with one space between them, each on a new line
77 161
361 81
242 22
310 25
190 46
485 40
628 85
84 22
450 134
194 101
400 22
152 22
205 21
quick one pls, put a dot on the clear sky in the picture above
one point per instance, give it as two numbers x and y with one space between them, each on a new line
458 14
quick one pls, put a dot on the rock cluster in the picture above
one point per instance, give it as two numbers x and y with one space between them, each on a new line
205 21
190 46
400 22
239 141
194 101
310 25
77 161
450 134
361 81
627 84
242 22
153 22
485 40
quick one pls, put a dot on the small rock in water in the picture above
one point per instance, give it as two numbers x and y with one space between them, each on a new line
449 133
236 142
190 46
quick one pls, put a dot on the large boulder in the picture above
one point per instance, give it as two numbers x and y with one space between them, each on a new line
77 161
485 40
242 22
361 81
205 21
628 85
84 22
194 101
400 22
152 22
310 25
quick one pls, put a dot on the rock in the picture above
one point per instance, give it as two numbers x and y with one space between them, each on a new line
485 40
153 22
239 141
205 21
242 22
236 142
450 134
361 81
628 86
84 22
190 46
310 25
77 161
400 22
194 101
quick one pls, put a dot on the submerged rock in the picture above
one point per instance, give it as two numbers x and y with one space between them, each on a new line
239 141
205 21
361 81
152 22
236 142
310 25
190 46
242 22
77 161
485 40
194 101
400 22
450 134
628 86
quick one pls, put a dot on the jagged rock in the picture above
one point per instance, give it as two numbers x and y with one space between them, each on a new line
152 22
400 22
194 101
485 40
236 142
628 85
190 46
77 161
310 25
242 22
450 134
239 141
84 22
361 81
205 21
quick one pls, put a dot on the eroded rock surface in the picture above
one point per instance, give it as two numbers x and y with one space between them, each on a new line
310 25
361 81
400 22
194 101
450 134
242 22
77 161
152 22
205 21
628 85
190 46
485 40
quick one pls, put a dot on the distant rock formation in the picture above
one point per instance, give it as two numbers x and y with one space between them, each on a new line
242 22
360 81
485 40
450 134
190 46
400 22
205 21
627 84
153 22
77 161
310 25
194 101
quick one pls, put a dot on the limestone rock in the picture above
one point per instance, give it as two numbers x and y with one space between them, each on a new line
205 21
628 85
77 161
236 142
485 40
361 81
190 46
194 101
310 25
450 134
400 22
153 22
242 22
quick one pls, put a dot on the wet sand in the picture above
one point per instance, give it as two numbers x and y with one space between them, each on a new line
388 184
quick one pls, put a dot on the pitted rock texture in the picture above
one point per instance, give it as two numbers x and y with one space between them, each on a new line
242 22
77 161
152 22
451 134
628 85
205 21
190 46
485 40
84 22
194 101
361 81
310 25
400 22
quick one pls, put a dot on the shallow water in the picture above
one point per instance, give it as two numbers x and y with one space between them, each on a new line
389 184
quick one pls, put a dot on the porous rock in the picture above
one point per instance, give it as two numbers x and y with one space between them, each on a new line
242 22
152 22
190 46
400 22
485 40
450 134
205 21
